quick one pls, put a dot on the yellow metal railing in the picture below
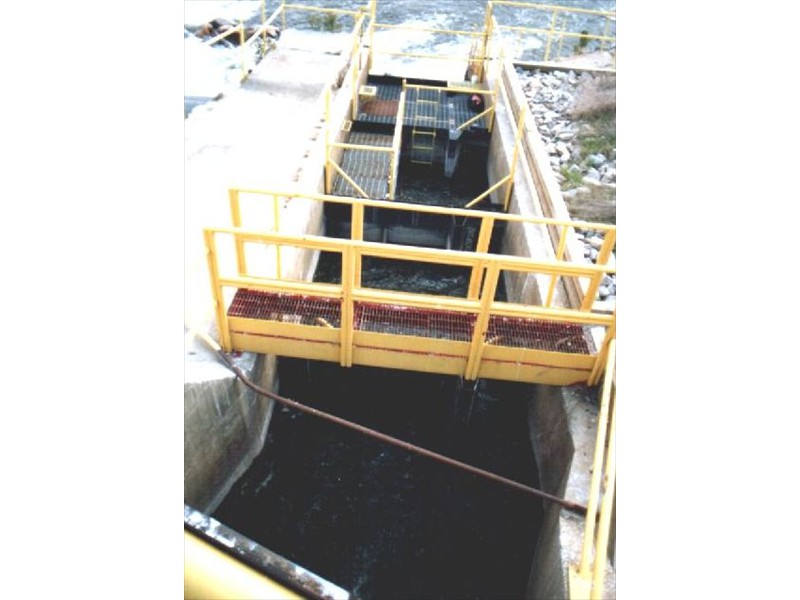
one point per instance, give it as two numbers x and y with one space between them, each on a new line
586 579
473 60
350 290
559 16
258 35
488 221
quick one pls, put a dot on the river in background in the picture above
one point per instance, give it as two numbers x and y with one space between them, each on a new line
207 69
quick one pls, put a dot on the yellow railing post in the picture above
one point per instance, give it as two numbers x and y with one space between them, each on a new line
357 235
597 466
283 14
487 41
602 259
482 321
326 125
562 243
372 12
484 238
550 35
520 130
348 276
582 582
276 226
219 301
600 360
236 221
607 504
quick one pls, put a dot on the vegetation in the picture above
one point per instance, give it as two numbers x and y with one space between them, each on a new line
325 22
596 110
572 179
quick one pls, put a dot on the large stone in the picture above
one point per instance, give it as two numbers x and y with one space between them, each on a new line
592 176
596 159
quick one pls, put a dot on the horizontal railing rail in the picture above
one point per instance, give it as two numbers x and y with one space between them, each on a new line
350 289
559 23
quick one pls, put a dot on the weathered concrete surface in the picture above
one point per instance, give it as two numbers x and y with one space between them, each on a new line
264 135
563 429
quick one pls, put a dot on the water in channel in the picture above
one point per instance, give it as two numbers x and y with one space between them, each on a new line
376 519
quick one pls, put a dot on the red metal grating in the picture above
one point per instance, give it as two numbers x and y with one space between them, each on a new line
403 320
286 308
381 108
539 335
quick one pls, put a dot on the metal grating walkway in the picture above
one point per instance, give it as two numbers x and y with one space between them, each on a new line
384 108
403 320
370 170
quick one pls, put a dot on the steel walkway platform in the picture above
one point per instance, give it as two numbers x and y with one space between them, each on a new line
453 108
370 170
410 338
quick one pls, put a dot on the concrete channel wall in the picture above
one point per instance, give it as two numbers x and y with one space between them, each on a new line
224 424
562 420
265 135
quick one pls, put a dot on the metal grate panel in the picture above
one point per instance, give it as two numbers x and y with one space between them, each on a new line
539 335
403 320
286 308
378 112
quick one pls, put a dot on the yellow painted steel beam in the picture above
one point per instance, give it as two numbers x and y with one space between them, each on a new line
347 146
597 465
216 289
602 355
586 578
562 244
210 574
607 504
348 276
484 238
236 219
482 322
348 179
602 259
472 203
475 118
327 290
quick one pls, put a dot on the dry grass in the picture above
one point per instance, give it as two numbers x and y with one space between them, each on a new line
595 95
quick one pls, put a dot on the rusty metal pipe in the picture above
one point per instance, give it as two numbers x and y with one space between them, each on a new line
571 506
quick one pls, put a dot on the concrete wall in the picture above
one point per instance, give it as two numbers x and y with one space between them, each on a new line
224 427
563 427
225 424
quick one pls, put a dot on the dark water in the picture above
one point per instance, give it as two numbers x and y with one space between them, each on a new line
376 519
